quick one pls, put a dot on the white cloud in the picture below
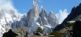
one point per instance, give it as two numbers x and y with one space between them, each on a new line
6 4
8 7
62 15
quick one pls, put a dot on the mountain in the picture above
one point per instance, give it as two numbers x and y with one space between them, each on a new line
76 11
29 23
74 15
7 16
43 17
52 19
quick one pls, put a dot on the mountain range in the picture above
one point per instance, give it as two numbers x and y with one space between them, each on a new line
30 22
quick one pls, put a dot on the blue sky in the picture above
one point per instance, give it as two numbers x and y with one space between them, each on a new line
50 5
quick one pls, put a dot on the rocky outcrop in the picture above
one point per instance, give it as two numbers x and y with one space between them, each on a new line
10 33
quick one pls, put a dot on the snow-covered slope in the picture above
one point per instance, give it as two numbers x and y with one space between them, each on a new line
8 15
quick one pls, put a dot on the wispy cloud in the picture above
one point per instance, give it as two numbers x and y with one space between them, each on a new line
8 6
62 15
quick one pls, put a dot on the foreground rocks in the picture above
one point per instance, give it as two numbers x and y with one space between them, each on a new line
10 33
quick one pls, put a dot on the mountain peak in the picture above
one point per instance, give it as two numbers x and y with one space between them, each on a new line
36 8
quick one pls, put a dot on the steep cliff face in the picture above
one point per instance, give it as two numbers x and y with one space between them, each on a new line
75 15
52 19
76 11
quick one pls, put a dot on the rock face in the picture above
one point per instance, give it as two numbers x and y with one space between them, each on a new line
76 11
52 19
43 17
74 15
77 29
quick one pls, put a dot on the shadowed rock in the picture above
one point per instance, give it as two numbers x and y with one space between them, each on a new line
10 33
74 15
77 29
